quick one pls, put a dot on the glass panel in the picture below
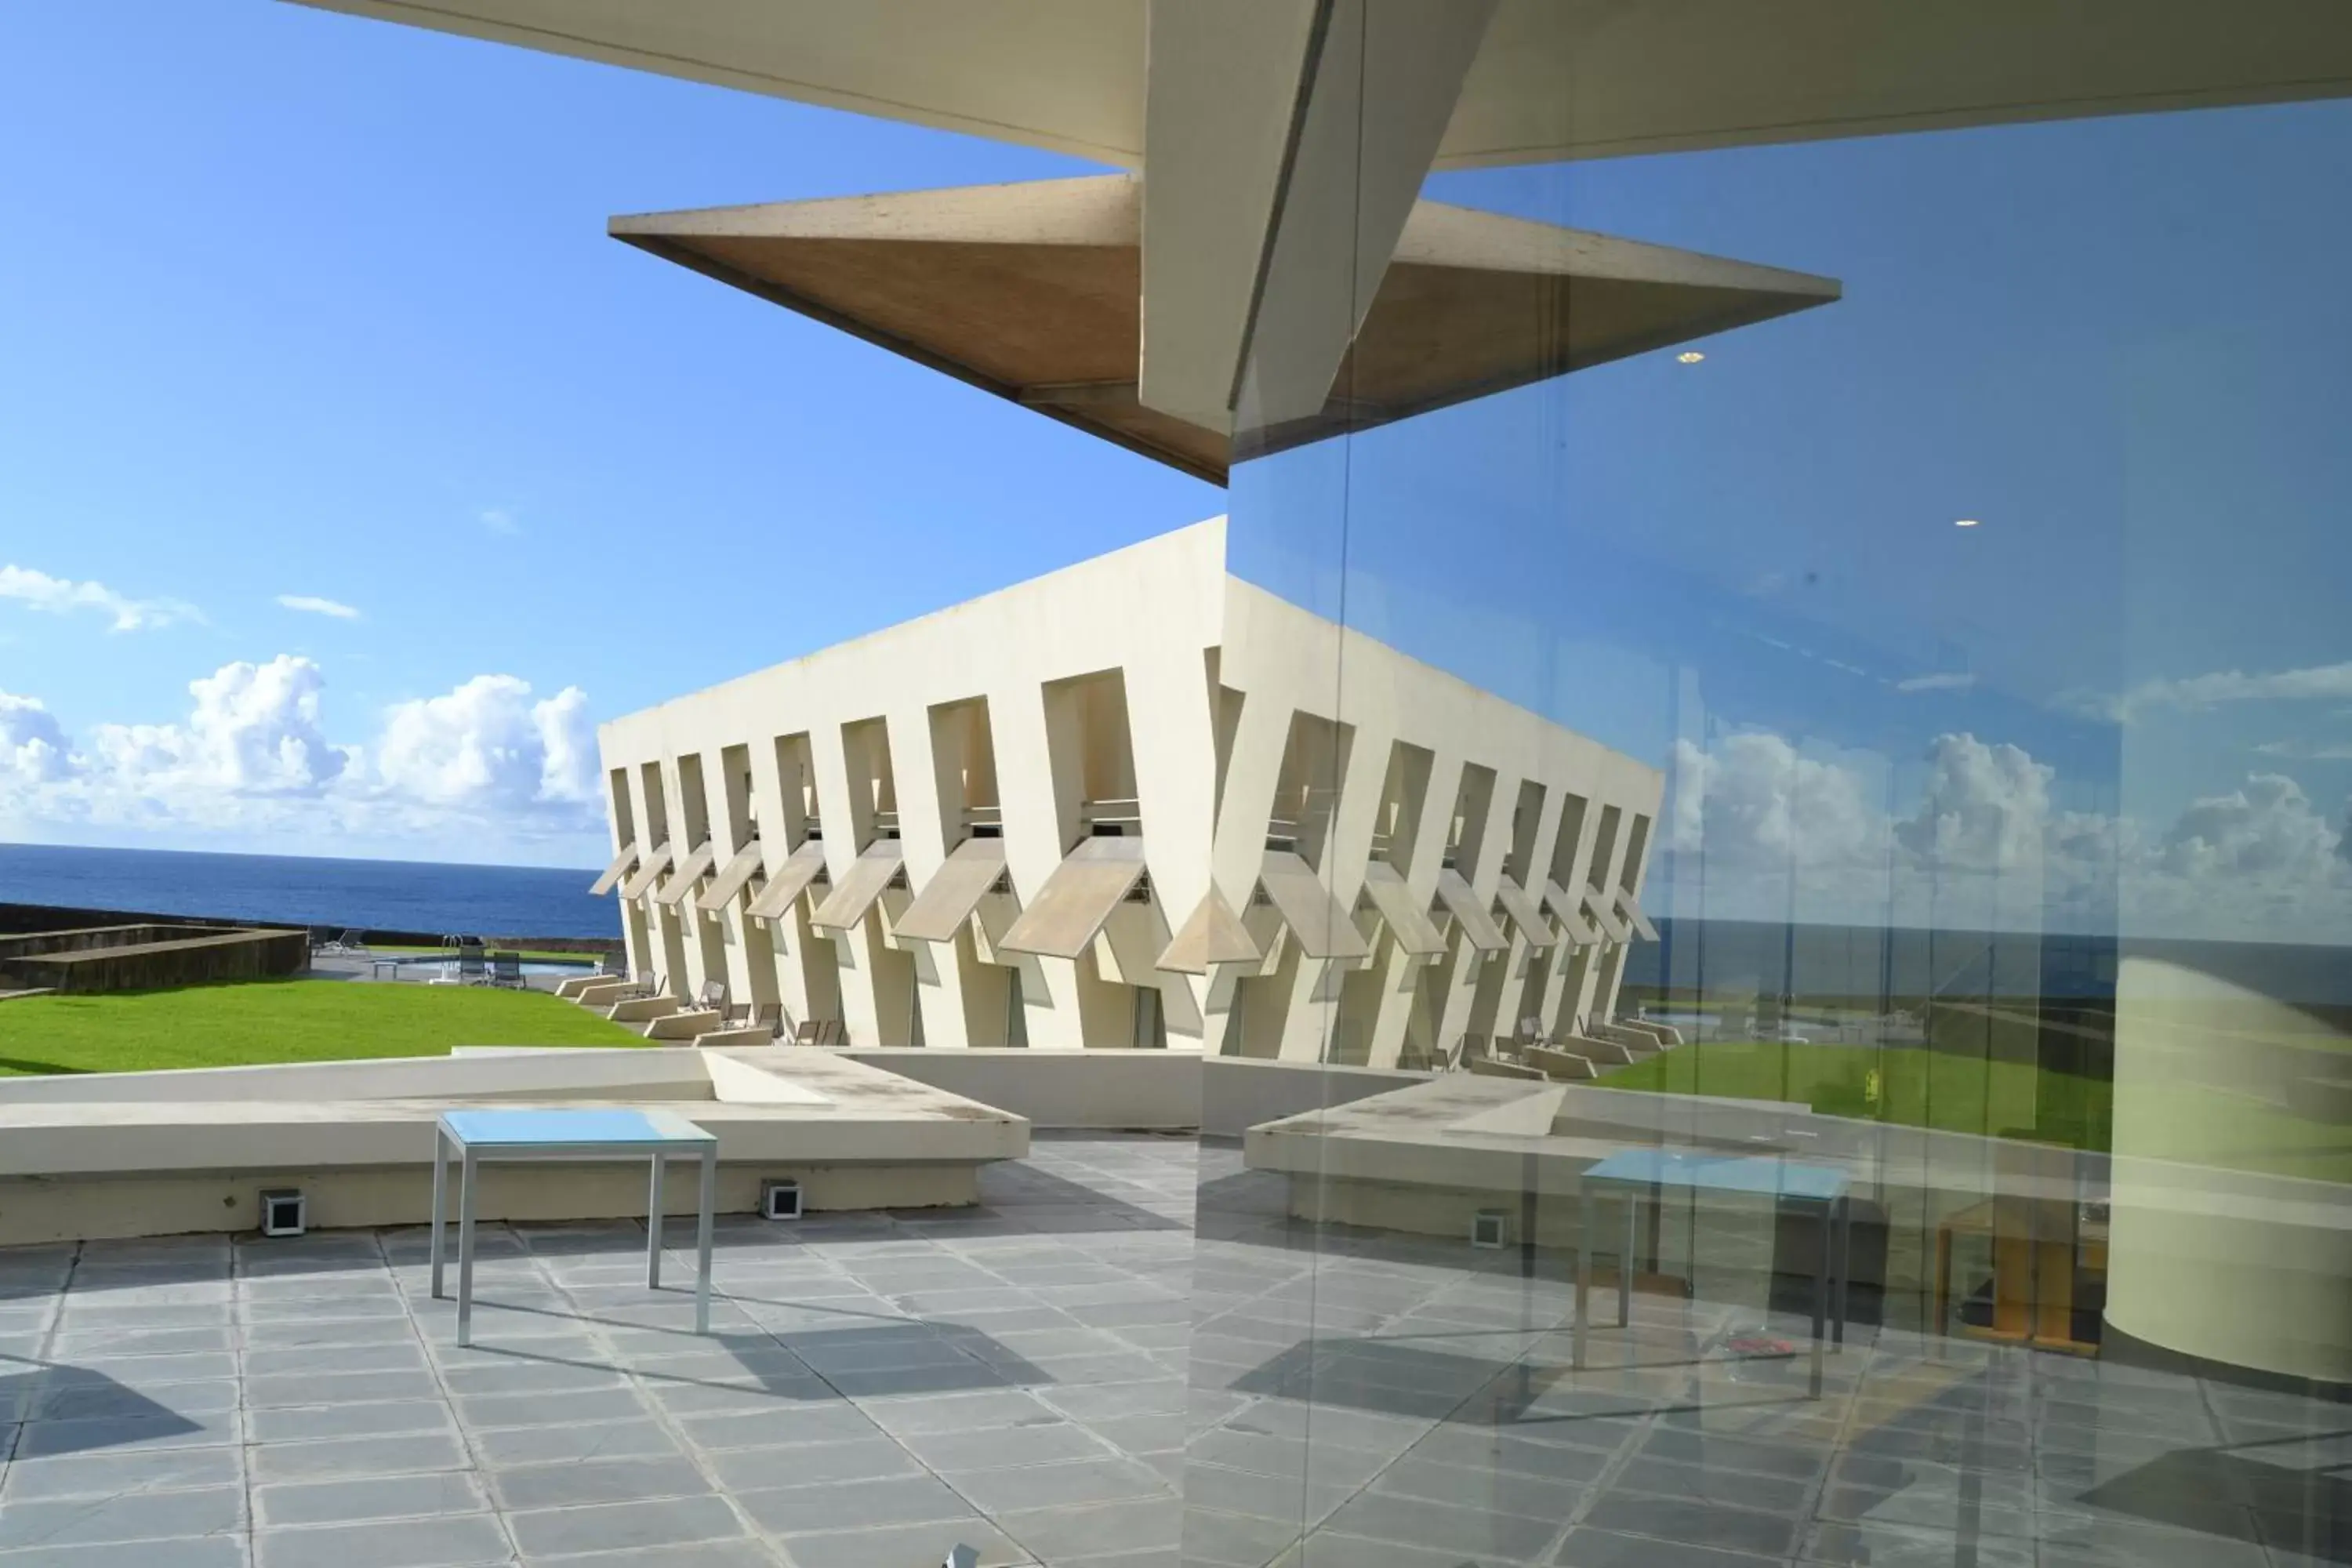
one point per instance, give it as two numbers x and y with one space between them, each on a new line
1951 670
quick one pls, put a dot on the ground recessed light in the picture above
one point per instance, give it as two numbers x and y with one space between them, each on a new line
1690 356
1964 522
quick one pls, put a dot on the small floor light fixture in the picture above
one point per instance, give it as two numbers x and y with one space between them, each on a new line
780 1198
284 1212
1490 1228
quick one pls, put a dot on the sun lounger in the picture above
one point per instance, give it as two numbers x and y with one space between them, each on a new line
506 971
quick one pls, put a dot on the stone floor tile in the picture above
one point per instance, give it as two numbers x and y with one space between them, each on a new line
350 1499
150 1517
643 1526
471 1540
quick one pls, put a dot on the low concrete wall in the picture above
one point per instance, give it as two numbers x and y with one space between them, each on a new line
1154 1092
1160 1091
1238 1093
148 958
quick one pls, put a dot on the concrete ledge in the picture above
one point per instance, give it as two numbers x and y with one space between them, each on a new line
1156 1092
1238 1093
642 1009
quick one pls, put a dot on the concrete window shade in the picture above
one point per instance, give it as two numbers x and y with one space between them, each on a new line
615 871
690 870
1478 927
730 880
802 866
1407 921
1317 922
955 891
1071 909
1525 913
861 890
648 873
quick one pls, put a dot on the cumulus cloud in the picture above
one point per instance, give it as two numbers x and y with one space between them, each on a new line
1758 828
311 604
479 766
33 746
1983 807
486 745
254 729
62 595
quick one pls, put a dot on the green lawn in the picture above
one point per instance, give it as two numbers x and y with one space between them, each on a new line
1908 1088
282 1021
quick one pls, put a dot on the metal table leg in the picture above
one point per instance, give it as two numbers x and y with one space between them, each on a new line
466 1173
1844 1271
702 1241
654 1226
1584 1267
440 1201
1821 1290
1632 1201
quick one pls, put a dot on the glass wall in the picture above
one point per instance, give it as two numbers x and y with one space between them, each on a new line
1871 1085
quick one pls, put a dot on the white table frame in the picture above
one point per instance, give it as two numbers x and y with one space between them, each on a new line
682 1139
1832 1285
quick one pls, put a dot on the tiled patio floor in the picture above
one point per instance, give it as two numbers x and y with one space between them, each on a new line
1016 1379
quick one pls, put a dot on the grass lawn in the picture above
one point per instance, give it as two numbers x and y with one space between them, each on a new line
282 1021
1908 1088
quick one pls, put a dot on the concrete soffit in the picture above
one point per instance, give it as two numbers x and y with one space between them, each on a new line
1030 291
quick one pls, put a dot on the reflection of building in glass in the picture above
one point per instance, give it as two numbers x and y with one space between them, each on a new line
1136 802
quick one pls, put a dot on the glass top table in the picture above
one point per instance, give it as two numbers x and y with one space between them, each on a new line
1630 1173
603 1132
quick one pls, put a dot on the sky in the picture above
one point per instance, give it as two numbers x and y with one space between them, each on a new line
349 474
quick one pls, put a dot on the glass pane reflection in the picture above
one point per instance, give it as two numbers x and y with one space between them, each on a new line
1953 675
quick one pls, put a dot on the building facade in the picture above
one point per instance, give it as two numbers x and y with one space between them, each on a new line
1129 804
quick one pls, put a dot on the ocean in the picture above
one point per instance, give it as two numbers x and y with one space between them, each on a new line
371 895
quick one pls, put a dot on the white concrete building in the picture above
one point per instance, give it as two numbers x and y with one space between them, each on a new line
1128 804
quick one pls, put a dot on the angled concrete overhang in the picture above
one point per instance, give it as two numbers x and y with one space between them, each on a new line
1031 291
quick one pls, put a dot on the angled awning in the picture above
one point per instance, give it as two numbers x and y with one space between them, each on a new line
740 868
1478 926
955 891
1069 910
1569 910
860 889
690 870
1605 915
616 871
790 880
1525 912
1319 922
1213 935
648 872
1630 908
1407 921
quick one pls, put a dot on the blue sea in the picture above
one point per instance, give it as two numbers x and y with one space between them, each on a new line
373 895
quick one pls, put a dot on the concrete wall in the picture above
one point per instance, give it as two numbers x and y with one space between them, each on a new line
1147 673
148 958
1160 1091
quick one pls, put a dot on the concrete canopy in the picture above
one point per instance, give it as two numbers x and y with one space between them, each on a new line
1032 292
1551 79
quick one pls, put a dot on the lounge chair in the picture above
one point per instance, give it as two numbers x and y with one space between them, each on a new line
807 1032
352 942
506 970
473 967
713 996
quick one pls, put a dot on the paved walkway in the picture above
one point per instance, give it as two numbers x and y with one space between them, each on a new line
1017 1378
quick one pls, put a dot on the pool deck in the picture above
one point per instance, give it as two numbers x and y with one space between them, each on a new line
1024 1377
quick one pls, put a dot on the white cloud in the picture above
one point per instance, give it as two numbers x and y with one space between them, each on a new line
483 771
1757 803
2264 833
61 596
311 604
2308 751
254 731
499 519
1983 808
2198 693
33 746
1760 830
487 746
1949 682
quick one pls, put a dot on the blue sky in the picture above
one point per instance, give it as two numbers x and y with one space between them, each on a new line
309 307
